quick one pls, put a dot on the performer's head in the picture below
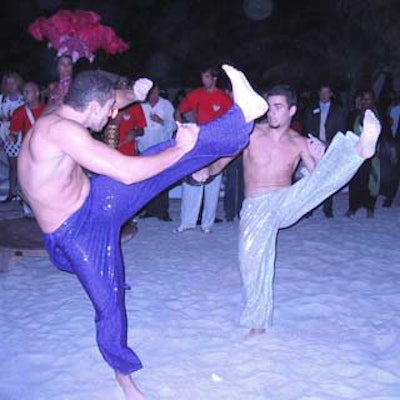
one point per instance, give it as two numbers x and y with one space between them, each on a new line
325 92
11 84
154 94
282 106
64 67
209 76
92 93
31 93
283 90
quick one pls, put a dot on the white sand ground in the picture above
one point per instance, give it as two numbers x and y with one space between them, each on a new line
336 332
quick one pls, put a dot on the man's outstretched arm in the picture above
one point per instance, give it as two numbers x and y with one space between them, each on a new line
101 159
215 168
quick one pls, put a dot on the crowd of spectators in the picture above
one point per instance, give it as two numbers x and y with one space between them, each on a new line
321 113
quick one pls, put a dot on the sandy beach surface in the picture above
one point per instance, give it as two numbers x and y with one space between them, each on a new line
336 323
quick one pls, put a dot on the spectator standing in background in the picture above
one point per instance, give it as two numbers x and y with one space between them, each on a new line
202 105
11 99
323 120
160 126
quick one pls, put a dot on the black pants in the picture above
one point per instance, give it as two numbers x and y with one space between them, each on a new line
234 189
359 195
159 206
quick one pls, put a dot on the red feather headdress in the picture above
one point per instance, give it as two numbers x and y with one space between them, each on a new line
77 34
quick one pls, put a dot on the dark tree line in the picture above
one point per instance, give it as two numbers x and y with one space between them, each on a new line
302 42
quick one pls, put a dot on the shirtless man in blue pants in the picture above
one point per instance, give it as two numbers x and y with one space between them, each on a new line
81 216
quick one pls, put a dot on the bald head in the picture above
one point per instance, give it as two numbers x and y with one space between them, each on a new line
31 93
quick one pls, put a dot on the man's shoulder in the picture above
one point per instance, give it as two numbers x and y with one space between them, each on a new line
201 91
195 92
192 97
261 132
41 107
261 127
337 107
20 110
220 91
297 137
133 109
165 101
55 122
55 133
224 95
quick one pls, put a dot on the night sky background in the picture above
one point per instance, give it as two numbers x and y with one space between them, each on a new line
301 42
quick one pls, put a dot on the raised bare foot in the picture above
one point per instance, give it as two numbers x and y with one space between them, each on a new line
139 91
255 332
366 145
141 88
131 392
252 104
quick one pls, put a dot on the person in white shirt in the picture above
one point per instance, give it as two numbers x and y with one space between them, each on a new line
159 113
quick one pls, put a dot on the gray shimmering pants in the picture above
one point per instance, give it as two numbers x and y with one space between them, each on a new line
263 216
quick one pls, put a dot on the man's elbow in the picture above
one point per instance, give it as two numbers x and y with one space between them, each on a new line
130 177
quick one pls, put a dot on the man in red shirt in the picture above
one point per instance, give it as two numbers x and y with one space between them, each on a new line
202 105
132 121
24 116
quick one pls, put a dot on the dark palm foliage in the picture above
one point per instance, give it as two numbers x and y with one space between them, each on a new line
302 42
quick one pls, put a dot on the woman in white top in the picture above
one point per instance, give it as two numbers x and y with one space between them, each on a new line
11 99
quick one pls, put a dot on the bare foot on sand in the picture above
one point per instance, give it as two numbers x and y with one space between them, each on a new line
366 145
131 392
252 104
254 332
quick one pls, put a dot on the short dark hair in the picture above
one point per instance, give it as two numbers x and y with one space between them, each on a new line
284 90
370 92
12 75
31 83
327 85
211 70
64 56
89 86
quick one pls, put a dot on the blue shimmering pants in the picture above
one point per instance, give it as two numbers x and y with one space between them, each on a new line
262 216
88 243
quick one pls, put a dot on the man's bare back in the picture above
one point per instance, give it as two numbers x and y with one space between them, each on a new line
53 183
271 159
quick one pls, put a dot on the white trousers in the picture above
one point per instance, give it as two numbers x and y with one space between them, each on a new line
191 203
